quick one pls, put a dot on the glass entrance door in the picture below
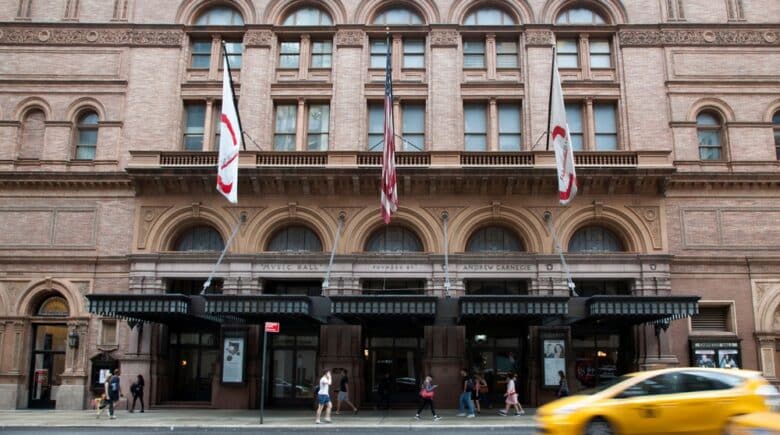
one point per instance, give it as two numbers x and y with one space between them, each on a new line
292 366
393 362
193 358
48 363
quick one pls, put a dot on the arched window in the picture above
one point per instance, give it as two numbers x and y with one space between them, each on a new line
399 16
86 136
710 136
199 238
776 125
308 16
33 130
494 239
295 238
53 306
595 239
579 16
394 239
489 17
220 16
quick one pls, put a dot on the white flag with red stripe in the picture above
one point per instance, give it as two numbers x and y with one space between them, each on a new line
229 141
389 197
561 140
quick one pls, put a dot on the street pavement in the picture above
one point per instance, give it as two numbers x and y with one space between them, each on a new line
183 421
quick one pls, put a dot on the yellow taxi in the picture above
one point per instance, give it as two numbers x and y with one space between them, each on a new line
760 423
669 401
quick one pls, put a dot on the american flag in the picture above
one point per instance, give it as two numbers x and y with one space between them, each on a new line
389 202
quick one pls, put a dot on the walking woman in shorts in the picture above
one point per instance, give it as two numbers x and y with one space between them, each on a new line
511 397
426 398
323 397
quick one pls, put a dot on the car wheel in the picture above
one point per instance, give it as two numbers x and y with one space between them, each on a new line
599 427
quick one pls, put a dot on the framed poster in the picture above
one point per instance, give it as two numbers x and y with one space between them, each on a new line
233 351
704 358
713 353
554 359
727 358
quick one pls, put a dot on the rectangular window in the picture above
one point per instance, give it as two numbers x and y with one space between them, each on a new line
321 54
289 54
567 53
195 120
413 115
777 143
378 53
87 144
606 126
711 319
108 332
475 127
284 134
506 54
376 126
414 53
319 120
201 54
509 127
574 119
600 56
709 143
473 54
234 51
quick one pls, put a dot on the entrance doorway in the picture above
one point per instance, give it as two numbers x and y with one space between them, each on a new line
493 357
393 364
48 363
292 366
193 358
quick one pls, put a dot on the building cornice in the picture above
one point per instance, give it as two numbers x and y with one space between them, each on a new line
92 34
64 180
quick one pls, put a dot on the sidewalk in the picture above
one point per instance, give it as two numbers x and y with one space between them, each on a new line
273 419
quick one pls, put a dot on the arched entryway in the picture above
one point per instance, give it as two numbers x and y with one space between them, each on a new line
50 341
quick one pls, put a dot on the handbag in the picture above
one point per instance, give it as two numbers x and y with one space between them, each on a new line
425 394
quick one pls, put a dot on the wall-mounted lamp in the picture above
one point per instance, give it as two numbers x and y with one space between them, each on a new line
73 339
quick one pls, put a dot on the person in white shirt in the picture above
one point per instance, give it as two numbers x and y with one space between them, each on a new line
323 397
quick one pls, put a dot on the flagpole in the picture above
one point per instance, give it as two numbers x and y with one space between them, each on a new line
206 284
549 104
233 88
570 283
326 281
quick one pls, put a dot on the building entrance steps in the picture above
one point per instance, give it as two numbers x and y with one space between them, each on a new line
273 419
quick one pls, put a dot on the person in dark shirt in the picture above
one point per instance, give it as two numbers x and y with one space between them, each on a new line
137 390
469 385
344 394
384 392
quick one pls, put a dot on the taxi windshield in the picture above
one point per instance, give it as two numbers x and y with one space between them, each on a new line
605 385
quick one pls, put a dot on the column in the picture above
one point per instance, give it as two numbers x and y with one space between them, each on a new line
444 99
444 356
397 57
490 56
208 129
72 393
300 130
341 346
492 139
589 126
398 123
584 47
348 104
305 57
767 347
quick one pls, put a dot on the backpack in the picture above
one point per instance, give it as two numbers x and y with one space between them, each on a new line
134 388
470 386
114 384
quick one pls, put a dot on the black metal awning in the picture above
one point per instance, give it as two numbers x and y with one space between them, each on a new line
513 306
259 308
384 306
159 308
641 309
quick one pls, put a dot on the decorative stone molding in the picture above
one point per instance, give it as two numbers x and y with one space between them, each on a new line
641 38
436 212
350 212
539 37
149 216
444 38
350 38
259 38
86 36
649 217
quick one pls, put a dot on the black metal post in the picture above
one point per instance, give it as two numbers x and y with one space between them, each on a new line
262 377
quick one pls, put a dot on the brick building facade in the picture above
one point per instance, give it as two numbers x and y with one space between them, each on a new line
110 222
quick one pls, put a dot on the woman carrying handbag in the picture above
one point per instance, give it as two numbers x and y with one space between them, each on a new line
426 398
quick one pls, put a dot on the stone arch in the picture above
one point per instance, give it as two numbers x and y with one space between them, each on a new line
613 11
277 10
465 224
4 305
169 226
31 103
520 9
274 220
83 104
31 135
368 9
773 108
623 224
366 222
189 10
714 104
37 291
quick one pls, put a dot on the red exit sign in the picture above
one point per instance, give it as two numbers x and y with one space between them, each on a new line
272 327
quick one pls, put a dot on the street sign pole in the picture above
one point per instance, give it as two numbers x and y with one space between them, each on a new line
262 378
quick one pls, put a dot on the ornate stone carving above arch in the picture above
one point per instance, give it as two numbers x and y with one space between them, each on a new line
368 9
366 222
189 10
714 104
277 10
627 225
170 224
612 11
520 221
272 220
766 301
651 218
520 9
35 291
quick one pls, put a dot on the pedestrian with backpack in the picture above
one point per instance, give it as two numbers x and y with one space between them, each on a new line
137 390
113 393
465 396
426 398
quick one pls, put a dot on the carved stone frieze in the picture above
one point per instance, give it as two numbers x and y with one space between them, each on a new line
350 38
650 217
539 37
259 38
444 38
699 37
87 36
